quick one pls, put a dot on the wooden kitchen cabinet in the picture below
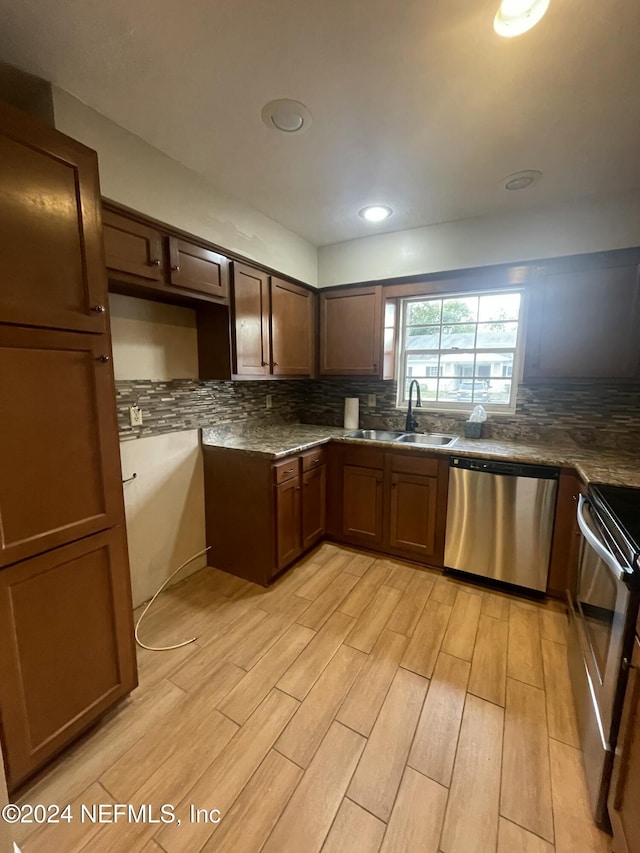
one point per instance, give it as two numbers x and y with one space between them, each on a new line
59 453
274 326
261 515
362 505
50 228
565 544
584 315
66 646
66 620
351 323
413 502
624 794
133 250
194 268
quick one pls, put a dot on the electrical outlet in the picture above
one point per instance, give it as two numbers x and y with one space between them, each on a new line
135 416
371 401
269 401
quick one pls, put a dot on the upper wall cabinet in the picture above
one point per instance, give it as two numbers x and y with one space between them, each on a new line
50 229
143 260
351 332
584 317
273 322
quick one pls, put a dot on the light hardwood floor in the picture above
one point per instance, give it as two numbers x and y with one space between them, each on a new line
358 705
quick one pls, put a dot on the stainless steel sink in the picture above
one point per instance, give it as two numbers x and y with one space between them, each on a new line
433 438
375 434
430 438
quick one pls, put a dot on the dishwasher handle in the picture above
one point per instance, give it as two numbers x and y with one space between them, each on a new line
508 469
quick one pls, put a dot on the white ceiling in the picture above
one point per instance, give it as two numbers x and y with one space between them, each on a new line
418 105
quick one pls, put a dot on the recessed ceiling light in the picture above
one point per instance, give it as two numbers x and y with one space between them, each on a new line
515 17
286 115
522 180
376 212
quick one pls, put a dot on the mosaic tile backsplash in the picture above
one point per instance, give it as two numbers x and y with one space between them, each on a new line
606 417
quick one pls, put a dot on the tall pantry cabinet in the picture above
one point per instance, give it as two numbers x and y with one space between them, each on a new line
66 638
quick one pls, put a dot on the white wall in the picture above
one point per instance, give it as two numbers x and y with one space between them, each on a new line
139 176
611 222
164 505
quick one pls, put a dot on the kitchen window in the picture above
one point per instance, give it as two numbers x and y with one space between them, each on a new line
463 349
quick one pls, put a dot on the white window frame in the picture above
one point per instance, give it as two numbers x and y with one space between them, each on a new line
468 405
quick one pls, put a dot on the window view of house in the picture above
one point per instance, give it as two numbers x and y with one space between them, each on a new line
462 349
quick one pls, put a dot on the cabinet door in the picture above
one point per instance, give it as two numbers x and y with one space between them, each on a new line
351 332
362 505
196 268
66 646
563 565
50 228
624 795
314 505
59 453
251 321
292 329
133 251
288 545
583 323
412 514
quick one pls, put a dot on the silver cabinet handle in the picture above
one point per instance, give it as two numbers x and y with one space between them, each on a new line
155 262
104 358
175 269
99 309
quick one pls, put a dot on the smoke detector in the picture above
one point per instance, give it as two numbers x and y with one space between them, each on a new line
286 115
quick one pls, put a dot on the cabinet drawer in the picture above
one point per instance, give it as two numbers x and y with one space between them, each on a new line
312 459
427 466
286 470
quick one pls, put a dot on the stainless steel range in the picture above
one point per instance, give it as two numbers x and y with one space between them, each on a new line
603 611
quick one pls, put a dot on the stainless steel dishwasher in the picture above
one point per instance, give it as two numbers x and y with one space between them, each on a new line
500 520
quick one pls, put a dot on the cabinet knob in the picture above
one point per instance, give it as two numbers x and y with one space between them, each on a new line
104 358
99 309
175 269
264 363
297 488
274 364
155 262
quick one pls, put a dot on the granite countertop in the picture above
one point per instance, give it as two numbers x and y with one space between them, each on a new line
613 467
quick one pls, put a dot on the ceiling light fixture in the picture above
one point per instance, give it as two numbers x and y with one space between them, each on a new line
286 115
515 17
522 180
376 212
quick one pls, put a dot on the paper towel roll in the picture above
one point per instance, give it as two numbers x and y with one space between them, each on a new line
351 412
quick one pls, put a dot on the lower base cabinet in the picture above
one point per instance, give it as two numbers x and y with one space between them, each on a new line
66 646
260 515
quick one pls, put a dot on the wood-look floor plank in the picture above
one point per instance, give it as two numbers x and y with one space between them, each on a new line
359 564
445 590
496 605
256 811
377 778
264 636
488 678
70 836
302 737
525 796
354 829
317 614
311 810
434 747
460 636
574 826
189 676
524 656
224 780
424 647
362 593
416 819
471 820
321 580
163 739
156 666
561 714
256 684
373 619
406 615
515 839
360 709
400 575
305 671
184 766
554 623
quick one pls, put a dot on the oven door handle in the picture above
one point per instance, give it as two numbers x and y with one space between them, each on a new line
601 550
